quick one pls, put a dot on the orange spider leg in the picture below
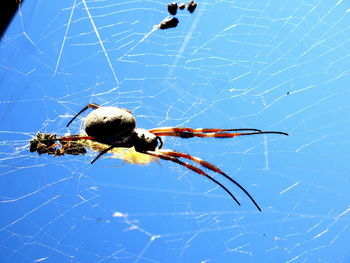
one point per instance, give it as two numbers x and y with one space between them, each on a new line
230 135
193 168
176 131
210 167
202 133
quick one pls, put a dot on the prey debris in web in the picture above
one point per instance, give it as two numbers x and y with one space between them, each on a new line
191 6
168 23
172 8
47 143
182 6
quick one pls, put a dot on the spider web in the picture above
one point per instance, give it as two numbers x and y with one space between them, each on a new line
271 65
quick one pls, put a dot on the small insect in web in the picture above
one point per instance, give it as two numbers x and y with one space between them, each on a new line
116 128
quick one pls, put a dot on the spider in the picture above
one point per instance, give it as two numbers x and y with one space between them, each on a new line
116 127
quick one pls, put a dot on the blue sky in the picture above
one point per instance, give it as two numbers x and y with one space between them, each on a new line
270 65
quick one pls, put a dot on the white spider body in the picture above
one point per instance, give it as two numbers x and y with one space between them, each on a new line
108 124
116 126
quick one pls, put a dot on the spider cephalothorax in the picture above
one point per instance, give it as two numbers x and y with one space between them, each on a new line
145 141
116 127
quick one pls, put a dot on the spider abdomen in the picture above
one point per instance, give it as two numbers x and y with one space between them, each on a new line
109 123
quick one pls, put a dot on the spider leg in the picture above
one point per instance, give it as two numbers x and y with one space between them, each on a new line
205 133
90 105
191 167
102 153
210 167
176 131
116 144
78 137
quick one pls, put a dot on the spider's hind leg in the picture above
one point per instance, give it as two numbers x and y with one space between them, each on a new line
125 144
102 153
90 105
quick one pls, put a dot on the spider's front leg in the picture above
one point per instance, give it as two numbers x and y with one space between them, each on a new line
185 132
206 133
